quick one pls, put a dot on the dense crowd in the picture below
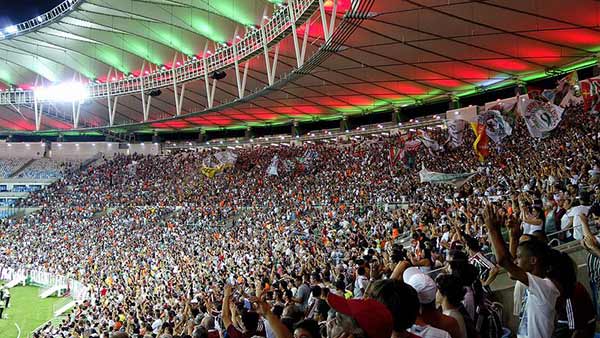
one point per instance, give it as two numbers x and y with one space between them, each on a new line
10 165
48 168
324 249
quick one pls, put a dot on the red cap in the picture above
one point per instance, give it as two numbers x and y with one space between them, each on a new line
372 316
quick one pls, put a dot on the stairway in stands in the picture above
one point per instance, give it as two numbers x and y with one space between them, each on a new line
23 167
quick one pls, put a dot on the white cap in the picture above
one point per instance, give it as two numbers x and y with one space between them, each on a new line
422 283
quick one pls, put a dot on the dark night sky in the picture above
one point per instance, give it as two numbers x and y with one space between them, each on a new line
15 11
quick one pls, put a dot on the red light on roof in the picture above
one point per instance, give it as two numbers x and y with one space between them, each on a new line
446 83
505 64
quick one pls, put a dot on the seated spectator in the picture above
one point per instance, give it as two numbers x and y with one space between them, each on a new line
359 318
430 322
449 297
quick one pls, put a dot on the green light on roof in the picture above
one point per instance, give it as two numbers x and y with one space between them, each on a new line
6 76
204 28
232 10
140 48
109 56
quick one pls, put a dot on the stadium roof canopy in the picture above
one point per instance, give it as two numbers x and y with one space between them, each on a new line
150 65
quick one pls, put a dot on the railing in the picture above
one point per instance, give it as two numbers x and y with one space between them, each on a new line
77 290
224 57
31 24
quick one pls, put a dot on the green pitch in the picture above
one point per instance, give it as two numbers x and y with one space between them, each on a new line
27 310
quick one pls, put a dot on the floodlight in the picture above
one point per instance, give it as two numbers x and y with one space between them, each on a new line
64 92
11 29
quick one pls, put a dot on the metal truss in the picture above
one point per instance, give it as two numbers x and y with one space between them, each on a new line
55 13
256 39
342 30
184 69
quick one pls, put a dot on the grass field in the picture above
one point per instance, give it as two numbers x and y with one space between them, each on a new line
27 310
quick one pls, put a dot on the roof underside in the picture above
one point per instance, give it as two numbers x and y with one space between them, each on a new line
408 52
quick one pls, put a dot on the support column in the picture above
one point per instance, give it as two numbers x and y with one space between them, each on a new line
295 128
454 102
202 136
521 88
155 138
249 133
396 114
344 123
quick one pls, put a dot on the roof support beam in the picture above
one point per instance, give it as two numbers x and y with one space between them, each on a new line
37 109
178 97
271 68
241 83
112 104
112 108
210 91
328 26
146 101
300 51
76 106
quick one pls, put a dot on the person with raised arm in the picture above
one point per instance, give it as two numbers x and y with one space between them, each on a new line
539 301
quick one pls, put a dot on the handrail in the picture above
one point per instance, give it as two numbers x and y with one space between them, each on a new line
41 20
79 291
194 68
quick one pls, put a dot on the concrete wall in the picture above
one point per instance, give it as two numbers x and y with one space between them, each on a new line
21 150
85 150
73 150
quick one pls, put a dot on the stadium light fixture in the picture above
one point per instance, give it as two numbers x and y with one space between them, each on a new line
11 29
64 92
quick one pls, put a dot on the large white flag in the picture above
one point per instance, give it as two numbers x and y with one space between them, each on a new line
441 178
496 127
540 117
272 169
226 157
456 129
428 142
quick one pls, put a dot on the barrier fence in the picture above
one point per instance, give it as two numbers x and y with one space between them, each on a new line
46 280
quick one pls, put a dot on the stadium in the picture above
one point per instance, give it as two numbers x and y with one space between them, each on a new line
300 168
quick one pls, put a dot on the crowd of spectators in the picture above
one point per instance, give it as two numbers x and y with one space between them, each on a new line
48 168
323 249
10 165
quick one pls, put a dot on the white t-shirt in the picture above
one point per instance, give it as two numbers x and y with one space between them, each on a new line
459 319
529 229
576 213
539 310
427 331
156 326
360 283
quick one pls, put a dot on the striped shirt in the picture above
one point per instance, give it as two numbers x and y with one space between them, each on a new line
593 263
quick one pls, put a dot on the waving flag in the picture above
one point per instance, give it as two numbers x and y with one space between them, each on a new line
565 92
590 91
496 128
226 157
456 129
456 180
272 169
540 117
395 154
481 141
431 144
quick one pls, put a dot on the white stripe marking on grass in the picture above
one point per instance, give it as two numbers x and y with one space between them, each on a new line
18 330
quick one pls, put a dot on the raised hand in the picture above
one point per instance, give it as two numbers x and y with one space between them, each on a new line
493 220
263 308
227 291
